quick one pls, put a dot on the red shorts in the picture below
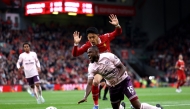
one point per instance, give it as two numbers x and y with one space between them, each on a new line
181 75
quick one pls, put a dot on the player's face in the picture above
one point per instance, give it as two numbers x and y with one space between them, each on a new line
92 55
180 57
93 38
26 48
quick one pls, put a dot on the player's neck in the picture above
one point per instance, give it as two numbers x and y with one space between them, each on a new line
27 52
97 58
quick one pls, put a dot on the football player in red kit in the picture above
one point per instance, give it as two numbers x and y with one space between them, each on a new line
103 44
180 66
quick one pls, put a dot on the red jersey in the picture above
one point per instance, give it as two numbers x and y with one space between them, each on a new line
181 65
180 72
103 46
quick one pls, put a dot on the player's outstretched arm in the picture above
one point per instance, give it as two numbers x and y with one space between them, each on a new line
76 37
76 51
87 91
118 30
114 21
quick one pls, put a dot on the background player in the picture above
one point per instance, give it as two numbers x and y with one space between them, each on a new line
101 86
103 44
180 66
31 66
111 68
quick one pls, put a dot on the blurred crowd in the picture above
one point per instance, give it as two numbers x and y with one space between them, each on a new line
167 48
52 43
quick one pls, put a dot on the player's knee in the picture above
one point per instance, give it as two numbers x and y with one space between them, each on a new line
37 84
136 104
96 83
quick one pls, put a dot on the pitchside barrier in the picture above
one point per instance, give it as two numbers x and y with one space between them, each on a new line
68 87
64 87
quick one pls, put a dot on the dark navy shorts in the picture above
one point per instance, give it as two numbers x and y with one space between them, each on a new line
33 80
124 88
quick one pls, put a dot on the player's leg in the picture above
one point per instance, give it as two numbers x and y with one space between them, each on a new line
101 85
32 87
179 81
34 91
130 93
183 81
29 90
116 96
38 88
95 90
105 93
116 105
31 82
137 105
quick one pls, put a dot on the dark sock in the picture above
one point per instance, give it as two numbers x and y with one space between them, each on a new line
100 88
105 91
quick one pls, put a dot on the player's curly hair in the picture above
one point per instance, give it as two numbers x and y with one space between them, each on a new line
92 30
26 43
94 47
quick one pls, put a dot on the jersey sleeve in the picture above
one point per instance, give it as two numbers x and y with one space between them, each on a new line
91 72
19 61
116 61
177 64
36 59
76 51
115 33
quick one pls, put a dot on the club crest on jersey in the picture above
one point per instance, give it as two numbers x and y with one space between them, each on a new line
104 45
115 57
107 62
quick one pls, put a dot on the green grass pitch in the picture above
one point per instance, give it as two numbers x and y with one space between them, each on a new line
167 97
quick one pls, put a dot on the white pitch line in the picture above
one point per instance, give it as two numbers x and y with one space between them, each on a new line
35 103
176 105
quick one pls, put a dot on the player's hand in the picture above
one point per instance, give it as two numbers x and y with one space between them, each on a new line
39 70
114 21
113 81
83 100
76 37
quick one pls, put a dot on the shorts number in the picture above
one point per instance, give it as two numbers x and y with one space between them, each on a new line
130 88
38 77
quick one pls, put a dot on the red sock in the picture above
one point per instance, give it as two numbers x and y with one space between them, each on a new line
95 94
182 83
178 84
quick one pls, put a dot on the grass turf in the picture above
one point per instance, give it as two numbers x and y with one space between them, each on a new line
167 97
